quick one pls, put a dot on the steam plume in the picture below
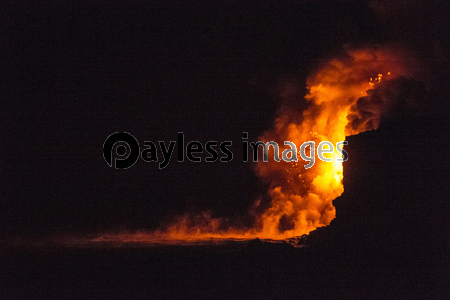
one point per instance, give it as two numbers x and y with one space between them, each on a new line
347 94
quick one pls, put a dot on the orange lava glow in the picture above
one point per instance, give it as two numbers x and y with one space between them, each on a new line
301 199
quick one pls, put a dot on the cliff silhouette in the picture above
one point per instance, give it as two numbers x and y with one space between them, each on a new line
392 221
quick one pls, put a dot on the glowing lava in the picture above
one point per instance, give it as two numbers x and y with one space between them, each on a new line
301 198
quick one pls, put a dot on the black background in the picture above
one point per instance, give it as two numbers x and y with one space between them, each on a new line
73 73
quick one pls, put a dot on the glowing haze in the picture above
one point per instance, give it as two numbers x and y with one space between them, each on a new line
301 199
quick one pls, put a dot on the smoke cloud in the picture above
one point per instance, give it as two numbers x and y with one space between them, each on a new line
347 94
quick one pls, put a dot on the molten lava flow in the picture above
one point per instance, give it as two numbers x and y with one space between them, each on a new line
302 198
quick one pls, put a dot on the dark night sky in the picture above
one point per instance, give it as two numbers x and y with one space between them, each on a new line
72 74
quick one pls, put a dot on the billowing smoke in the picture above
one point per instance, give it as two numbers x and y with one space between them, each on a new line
389 100
346 95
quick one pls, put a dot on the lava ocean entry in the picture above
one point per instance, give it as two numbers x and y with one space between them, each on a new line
368 77
342 101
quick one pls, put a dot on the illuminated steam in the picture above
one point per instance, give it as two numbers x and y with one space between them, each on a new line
347 95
